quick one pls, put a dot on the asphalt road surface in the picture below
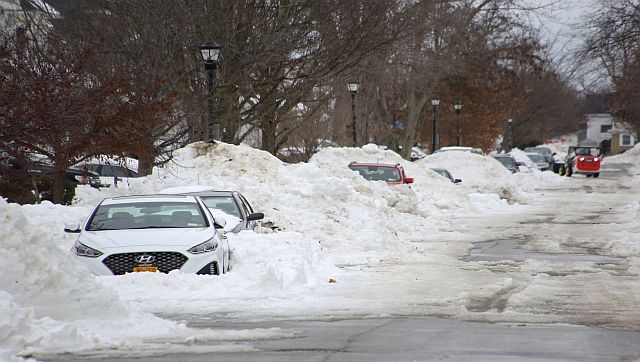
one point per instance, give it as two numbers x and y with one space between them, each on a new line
574 335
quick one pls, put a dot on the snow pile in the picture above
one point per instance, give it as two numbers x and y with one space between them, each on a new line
48 303
484 174
326 215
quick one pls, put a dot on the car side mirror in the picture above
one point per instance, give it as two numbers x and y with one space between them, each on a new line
72 228
255 216
408 180
457 181
219 223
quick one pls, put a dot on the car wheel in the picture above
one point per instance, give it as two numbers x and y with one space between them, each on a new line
561 170
588 175
569 171
596 174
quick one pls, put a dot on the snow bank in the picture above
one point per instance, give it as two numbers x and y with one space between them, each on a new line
326 216
48 303
483 174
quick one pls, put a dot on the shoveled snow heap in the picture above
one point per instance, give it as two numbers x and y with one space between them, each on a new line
483 174
326 215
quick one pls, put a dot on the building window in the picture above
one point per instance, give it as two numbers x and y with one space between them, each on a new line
605 128
626 140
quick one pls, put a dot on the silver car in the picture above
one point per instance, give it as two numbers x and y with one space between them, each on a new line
235 204
151 233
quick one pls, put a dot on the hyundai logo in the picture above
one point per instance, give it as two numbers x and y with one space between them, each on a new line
145 259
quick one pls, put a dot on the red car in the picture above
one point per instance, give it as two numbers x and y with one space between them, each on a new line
391 174
582 160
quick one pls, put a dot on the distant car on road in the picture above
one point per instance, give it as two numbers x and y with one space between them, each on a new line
445 173
507 161
391 174
151 233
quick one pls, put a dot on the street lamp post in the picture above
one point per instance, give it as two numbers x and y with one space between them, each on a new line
434 103
211 56
510 123
353 89
457 106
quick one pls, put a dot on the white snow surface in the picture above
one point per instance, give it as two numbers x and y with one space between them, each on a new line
329 223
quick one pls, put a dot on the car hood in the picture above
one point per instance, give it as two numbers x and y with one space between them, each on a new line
170 237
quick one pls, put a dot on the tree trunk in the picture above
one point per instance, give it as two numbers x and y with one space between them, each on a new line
269 136
59 182
145 165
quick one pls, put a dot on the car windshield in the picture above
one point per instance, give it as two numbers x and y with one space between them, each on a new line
536 157
377 173
506 161
222 203
147 215
443 172
586 151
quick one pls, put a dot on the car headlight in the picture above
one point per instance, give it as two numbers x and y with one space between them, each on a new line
596 159
581 158
207 246
82 250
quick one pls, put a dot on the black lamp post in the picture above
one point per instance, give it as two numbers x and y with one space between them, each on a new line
211 56
435 102
457 106
510 123
353 89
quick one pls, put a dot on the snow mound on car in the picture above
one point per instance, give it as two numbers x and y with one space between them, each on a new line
483 174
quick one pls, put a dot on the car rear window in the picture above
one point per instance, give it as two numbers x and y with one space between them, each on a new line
377 173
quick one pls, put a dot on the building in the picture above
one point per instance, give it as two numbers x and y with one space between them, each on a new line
613 136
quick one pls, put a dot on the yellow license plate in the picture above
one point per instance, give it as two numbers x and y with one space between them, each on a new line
137 269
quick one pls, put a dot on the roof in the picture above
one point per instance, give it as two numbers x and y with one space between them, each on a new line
148 198
212 193
374 164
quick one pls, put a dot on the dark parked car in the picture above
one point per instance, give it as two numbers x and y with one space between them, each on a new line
507 161
109 175
445 173
232 203
545 151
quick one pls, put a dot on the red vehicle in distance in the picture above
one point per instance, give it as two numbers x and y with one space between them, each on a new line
582 160
391 174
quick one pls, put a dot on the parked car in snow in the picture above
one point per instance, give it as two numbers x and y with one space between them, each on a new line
541 162
391 174
461 149
151 233
507 161
232 203
110 173
542 150
445 173
417 153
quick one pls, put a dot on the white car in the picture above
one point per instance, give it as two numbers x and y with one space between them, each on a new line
151 233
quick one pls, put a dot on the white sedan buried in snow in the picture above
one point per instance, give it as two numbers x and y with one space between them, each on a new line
156 233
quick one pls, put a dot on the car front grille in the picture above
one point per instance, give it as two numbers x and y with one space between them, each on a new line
124 263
